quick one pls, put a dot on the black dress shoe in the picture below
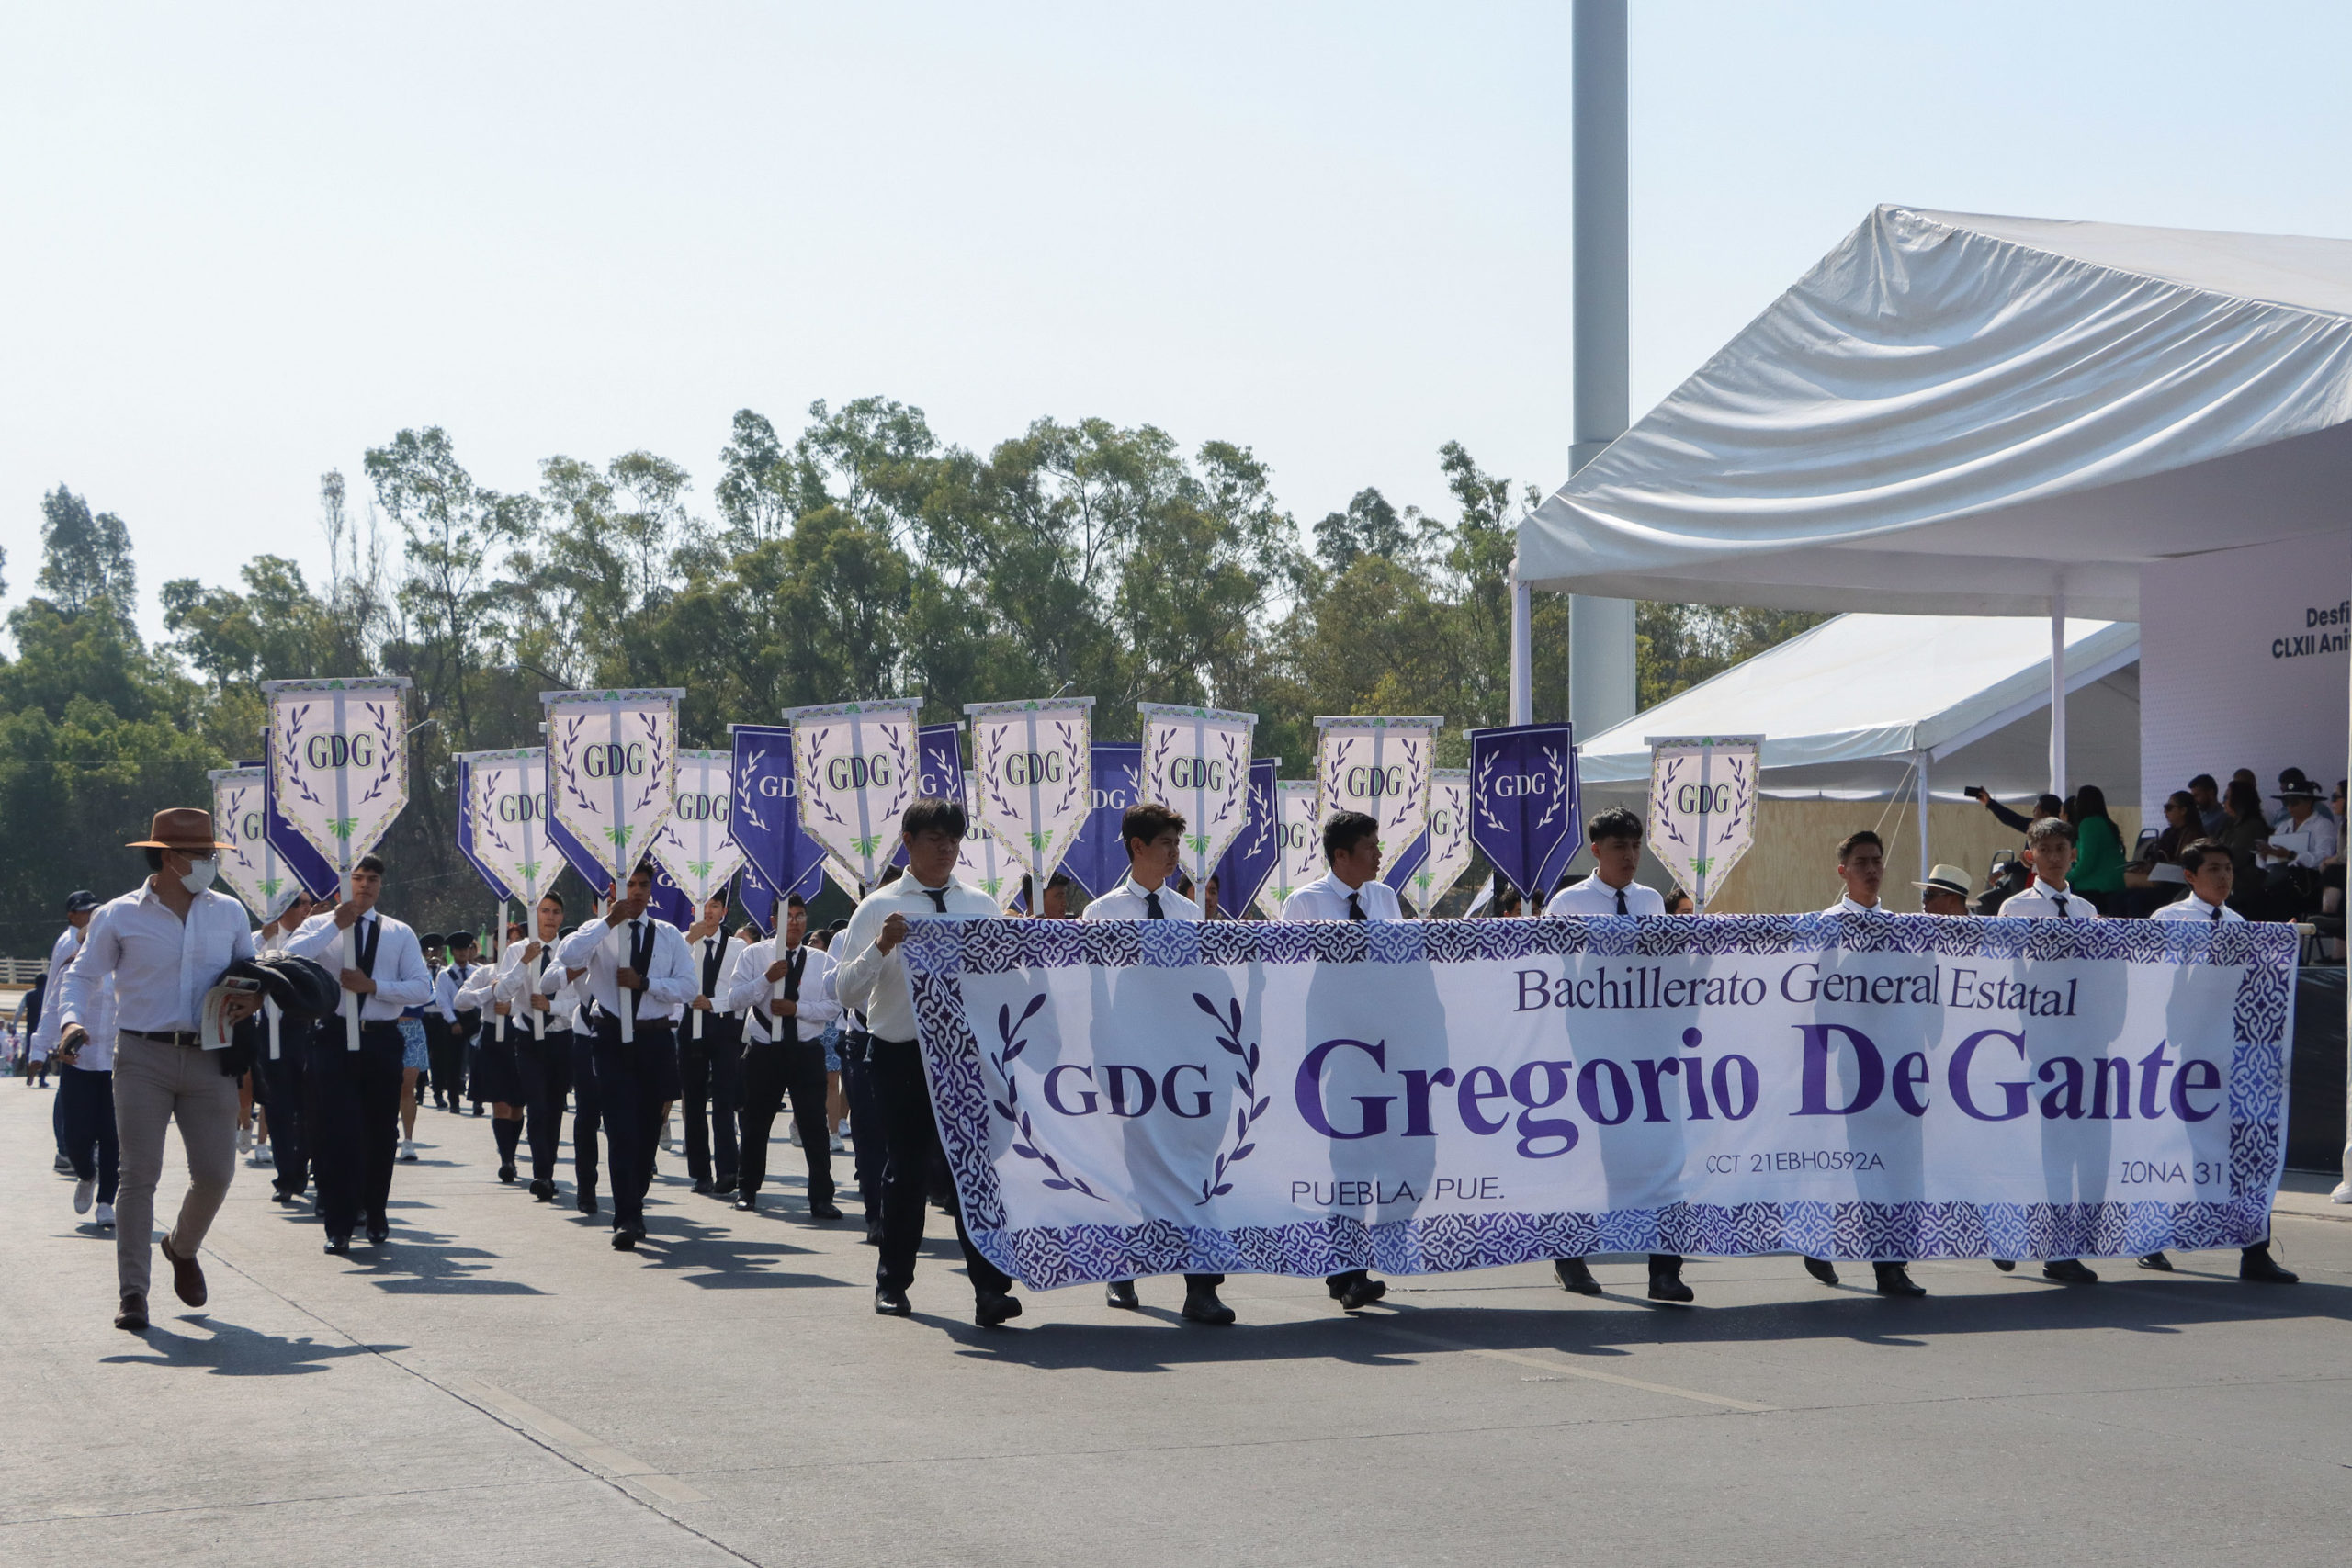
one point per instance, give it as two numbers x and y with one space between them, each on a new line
703 1188
1895 1280
824 1210
478 1108
1362 1293
2068 1271
749 1203
2005 1265
340 1246
873 1235
284 1199
133 1317
1822 1269
1122 1293
2256 1268
623 1239
1202 1305
890 1302
542 1191
2157 1262
587 1202
506 1174
378 1236
727 1186
1665 1285
1575 1275
188 1275
991 1309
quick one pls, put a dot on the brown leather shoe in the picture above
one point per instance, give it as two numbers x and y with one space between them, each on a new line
188 1275
132 1318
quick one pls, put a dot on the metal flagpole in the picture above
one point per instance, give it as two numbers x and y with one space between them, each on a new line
2058 694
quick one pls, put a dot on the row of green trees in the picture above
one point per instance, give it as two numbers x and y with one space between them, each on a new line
864 557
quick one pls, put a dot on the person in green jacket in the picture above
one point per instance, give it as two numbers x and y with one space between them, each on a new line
2098 850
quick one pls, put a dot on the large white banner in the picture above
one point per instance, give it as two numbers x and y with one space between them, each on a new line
1197 761
982 862
1032 773
613 770
1449 851
249 867
1129 1098
1380 767
693 845
507 803
1298 808
856 768
1702 808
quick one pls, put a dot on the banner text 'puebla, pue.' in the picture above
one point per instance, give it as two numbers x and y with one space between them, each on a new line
1127 1098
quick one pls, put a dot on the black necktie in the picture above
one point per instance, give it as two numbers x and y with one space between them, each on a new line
710 966
798 962
640 945
2216 916
1621 900
370 932
1355 910
2062 906
938 897
1151 910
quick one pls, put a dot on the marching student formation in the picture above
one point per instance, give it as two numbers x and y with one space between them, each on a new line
618 1017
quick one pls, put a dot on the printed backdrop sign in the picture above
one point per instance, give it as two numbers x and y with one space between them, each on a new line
1248 864
765 821
1299 804
1124 1098
983 862
1380 767
506 805
1524 809
613 770
1702 808
855 769
1446 850
1197 761
1033 770
249 867
694 846
1097 858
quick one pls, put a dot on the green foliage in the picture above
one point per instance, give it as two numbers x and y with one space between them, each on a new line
85 560
1677 646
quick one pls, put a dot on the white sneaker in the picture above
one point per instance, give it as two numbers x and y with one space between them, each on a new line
106 1217
408 1150
2342 1193
83 1192
245 1140
838 1146
794 1135
64 1167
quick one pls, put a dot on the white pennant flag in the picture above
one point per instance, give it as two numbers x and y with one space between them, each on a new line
1451 850
1033 766
855 771
1298 813
507 807
1380 767
249 867
1702 808
693 845
981 862
338 761
612 778
1197 762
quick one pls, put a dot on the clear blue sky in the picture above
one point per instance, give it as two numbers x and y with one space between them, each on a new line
246 242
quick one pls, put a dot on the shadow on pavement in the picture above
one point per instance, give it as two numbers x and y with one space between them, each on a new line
231 1351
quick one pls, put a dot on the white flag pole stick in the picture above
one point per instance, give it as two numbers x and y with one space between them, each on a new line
350 961
497 951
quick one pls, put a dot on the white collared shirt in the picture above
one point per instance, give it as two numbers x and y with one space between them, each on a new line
450 989
97 1055
1594 896
401 979
2193 910
602 950
728 952
747 989
160 965
518 975
875 982
1846 905
1130 901
2040 901
481 989
2323 842
61 954
1325 899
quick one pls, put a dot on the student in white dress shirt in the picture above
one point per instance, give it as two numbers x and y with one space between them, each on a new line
783 988
872 978
497 1071
644 968
710 1054
1350 889
2050 848
84 1108
541 996
1615 837
2211 876
1861 866
1154 838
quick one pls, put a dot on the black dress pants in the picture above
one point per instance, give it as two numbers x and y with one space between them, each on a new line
545 1066
709 1079
85 1107
286 1081
634 1081
912 1135
870 1145
354 1105
587 1109
770 1072
446 1049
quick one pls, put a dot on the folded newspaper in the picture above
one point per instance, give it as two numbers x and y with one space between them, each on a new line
216 1027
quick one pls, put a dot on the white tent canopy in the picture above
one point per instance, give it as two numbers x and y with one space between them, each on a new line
1989 416
1850 709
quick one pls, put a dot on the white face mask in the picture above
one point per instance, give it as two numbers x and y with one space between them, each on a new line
198 875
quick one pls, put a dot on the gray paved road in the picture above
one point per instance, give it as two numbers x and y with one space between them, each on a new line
499 1386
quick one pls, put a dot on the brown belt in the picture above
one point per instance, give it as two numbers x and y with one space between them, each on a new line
185 1037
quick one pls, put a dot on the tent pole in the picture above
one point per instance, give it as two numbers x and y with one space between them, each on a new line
1602 677
1926 860
2058 694
1522 666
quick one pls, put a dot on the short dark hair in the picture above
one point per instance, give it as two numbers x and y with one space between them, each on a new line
889 873
646 869
2197 852
1344 831
1614 823
1147 819
155 859
552 897
2204 780
794 900
370 862
934 815
1853 841
1060 879
2048 827
719 898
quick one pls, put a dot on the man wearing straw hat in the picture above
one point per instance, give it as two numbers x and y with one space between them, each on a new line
164 944
1945 892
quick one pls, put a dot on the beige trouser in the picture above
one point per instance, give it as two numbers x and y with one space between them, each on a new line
153 1083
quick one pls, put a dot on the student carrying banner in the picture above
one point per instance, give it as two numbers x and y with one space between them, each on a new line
783 990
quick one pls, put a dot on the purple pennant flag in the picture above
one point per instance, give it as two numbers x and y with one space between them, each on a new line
939 753
1249 859
466 831
1526 812
1399 871
1097 857
759 900
670 902
313 870
764 820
